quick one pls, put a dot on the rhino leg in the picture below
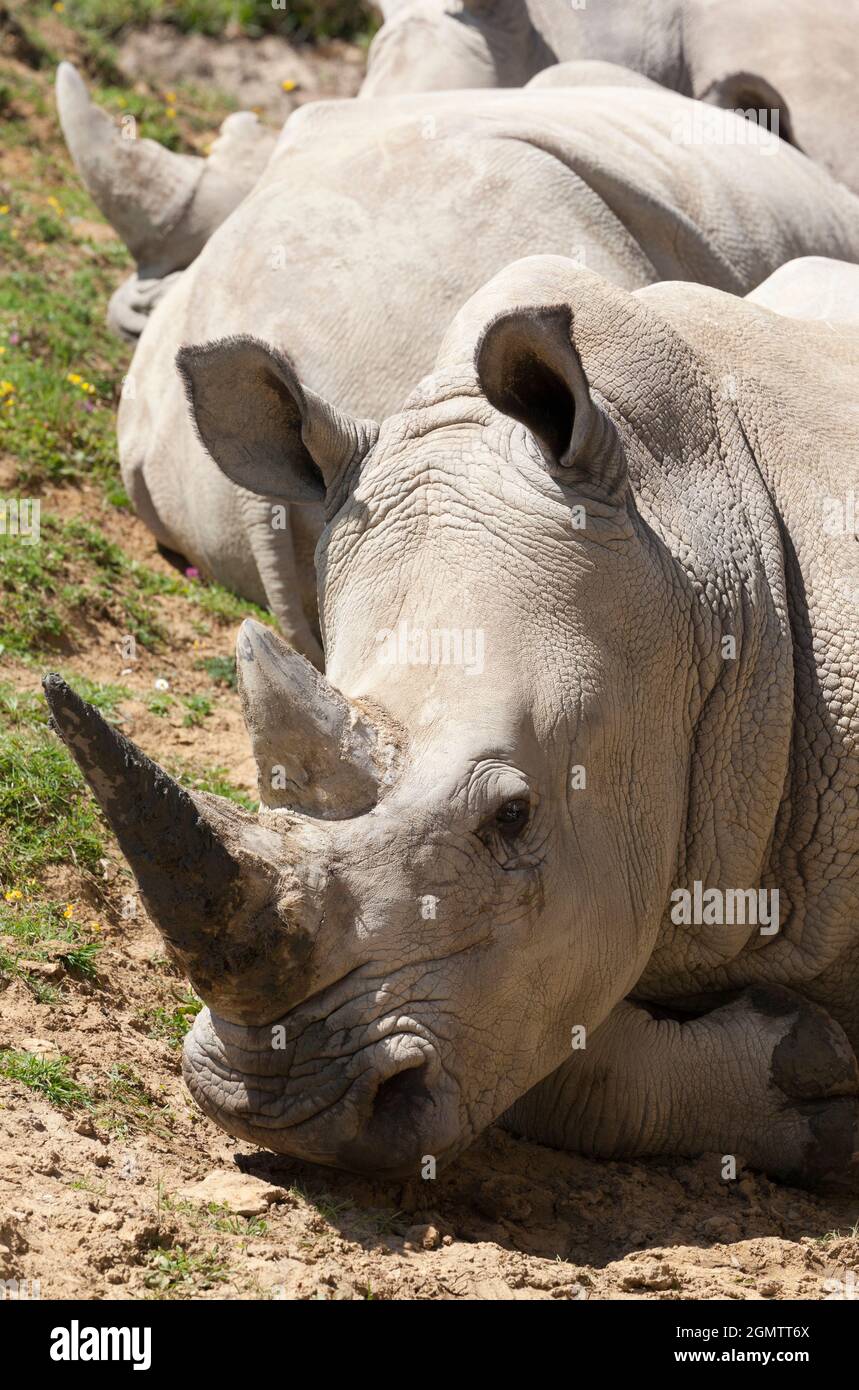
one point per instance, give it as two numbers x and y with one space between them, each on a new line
766 1077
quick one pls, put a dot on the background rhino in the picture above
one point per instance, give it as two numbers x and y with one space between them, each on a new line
735 54
374 221
607 486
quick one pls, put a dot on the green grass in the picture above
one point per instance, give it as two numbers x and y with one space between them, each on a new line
28 707
160 704
301 19
197 708
46 814
50 1078
74 577
173 1273
220 669
29 927
171 1025
211 779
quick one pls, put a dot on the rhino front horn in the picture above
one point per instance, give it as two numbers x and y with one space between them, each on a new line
315 751
215 882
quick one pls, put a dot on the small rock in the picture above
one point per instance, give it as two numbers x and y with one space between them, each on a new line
422 1238
243 1194
40 1047
49 970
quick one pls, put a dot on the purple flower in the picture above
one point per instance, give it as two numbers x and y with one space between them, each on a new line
14 339
192 572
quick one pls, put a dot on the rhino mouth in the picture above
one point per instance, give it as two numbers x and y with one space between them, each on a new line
377 1107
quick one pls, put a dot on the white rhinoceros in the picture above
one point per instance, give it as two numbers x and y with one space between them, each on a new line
799 59
374 221
572 833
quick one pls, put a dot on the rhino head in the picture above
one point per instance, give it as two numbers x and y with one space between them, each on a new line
448 872
432 45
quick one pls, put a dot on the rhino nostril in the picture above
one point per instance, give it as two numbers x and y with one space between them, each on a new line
400 1094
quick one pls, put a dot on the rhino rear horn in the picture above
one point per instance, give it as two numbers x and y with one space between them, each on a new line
315 751
214 882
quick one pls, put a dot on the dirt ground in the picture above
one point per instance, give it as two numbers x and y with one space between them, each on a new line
250 71
136 1194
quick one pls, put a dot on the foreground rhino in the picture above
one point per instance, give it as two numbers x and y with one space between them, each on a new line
597 646
800 60
372 224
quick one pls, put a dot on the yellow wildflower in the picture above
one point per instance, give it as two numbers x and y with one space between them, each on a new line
6 388
288 85
58 6
170 113
4 208
69 911
14 895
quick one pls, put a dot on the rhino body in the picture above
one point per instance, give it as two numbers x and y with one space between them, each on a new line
459 900
756 57
374 221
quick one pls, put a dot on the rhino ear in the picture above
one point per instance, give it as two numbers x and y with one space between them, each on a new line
528 369
265 430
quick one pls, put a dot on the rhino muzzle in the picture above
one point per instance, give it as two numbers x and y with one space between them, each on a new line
251 910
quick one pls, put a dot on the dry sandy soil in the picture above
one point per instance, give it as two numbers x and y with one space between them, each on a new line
137 1194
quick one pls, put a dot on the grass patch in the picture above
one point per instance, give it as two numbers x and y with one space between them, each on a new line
212 779
46 813
39 930
28 708
173 1273
49 1078
299 19
221 670
74 576
197 708
171 1025
160 704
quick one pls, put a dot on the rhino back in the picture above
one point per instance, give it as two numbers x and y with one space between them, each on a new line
368 230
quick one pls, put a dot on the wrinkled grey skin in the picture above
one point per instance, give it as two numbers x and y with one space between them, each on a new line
800 58
606 485
371 225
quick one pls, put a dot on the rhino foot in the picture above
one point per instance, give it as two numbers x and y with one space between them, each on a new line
815 1081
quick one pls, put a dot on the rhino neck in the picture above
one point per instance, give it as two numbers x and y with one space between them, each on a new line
731 584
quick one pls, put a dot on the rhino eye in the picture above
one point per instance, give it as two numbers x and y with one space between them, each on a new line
512 817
